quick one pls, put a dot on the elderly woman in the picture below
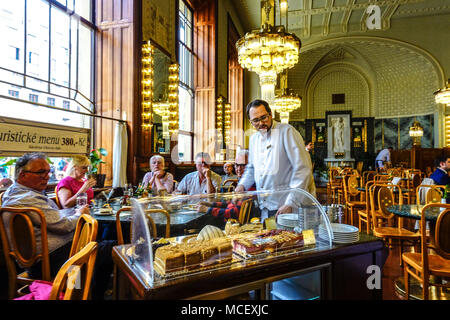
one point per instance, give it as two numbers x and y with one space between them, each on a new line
157 179
75 182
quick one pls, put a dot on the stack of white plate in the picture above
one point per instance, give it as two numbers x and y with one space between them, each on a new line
342 233
287 221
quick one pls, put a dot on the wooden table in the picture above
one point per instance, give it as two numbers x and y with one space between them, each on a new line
343 274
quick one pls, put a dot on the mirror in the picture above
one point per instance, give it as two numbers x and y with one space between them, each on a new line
161 138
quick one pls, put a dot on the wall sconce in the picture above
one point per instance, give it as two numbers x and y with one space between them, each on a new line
147 86
223 119
416 132
174 80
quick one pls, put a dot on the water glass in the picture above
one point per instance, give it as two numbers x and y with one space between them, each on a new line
81 200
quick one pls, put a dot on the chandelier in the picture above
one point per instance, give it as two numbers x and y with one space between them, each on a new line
416 132
287 101
268 52
443 95
147 86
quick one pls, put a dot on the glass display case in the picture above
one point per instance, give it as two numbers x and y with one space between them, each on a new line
232 233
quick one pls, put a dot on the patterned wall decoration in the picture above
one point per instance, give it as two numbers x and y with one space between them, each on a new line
395 132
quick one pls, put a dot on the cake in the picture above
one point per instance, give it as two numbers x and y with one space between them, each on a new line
225 249
192 255
210 254
267 241
169 259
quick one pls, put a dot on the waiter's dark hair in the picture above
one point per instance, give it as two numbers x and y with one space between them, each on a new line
257 103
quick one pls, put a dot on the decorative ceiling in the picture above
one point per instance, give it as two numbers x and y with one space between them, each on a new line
307 18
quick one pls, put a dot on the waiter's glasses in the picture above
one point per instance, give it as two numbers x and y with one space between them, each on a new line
260 119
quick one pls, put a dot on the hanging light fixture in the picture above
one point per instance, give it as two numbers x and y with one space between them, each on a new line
443 95
287 101
416 132
268 51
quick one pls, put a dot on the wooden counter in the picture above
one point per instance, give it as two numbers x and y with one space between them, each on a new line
343 270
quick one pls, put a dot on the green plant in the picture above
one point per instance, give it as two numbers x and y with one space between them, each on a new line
95 156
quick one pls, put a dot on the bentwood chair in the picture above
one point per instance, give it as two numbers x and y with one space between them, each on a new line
244 213
382 199
58 203
20 246
228 185
423 265
353 197
429 194
74 278
85 232
364 213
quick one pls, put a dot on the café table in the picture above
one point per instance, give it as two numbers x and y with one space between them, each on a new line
413 211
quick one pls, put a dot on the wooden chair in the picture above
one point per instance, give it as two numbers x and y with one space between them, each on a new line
429 194
85 232
333 184
150 221
382 200
244 213
58 203
228 185
20 246
1 197
424 264
175 185
359 166
368 176
353 198
75 276
412 185
364 214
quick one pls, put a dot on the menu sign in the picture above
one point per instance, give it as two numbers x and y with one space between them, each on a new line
18 137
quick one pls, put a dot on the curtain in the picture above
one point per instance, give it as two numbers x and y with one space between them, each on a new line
120 155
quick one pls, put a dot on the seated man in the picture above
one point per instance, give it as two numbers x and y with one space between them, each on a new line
32 173
228 169
204 180
229 209
440 175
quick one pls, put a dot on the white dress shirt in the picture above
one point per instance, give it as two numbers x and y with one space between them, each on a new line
278 160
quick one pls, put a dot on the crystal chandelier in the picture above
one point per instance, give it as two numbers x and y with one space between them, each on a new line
287 101
268 52
443 95
147 86
416 132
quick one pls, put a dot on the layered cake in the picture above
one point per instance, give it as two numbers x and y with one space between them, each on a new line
192 255
169 259
267 241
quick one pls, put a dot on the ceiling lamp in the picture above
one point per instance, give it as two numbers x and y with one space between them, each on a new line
147 86
443 95
416 132
268 51
285 103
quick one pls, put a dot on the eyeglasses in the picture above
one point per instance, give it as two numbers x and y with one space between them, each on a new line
240 165
41 173
258 120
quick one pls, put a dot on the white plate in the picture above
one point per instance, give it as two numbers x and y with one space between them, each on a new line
341 228
288 219
103 213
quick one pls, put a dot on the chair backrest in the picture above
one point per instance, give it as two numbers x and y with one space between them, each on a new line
415 181
368 176
175 185
244 213
85 232
442 229
359 166
19 241
120 240
58 203
74 278
228 185
374 191
385 200
164 212
1 197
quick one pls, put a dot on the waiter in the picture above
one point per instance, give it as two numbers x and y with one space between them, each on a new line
277 159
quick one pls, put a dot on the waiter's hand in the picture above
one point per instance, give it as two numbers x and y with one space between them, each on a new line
283 209
239 188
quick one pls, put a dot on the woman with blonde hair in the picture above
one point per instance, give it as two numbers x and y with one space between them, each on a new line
158 179
75 182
